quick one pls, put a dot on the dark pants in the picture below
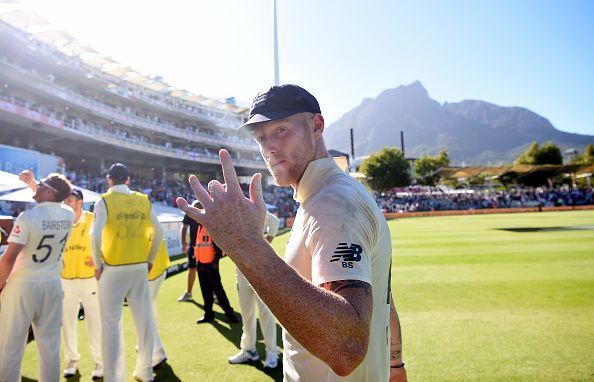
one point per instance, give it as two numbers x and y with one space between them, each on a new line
210 281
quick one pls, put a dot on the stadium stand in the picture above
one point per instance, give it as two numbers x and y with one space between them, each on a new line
58 96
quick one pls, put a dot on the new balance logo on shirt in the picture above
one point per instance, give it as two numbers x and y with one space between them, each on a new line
348 254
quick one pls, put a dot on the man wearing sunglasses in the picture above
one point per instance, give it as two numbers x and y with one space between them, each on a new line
30 281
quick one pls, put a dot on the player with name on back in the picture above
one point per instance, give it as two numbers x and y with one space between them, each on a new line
78 283
30 281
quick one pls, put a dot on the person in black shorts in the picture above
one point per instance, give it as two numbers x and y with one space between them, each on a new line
190 223
208 270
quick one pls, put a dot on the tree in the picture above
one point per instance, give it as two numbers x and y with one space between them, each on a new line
588 157
386 169
549 153
426 166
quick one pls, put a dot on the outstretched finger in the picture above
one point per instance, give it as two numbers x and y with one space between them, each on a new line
229 173
193 212
199 192
256 195
215 188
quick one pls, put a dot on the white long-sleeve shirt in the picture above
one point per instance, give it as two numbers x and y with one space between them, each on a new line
101 220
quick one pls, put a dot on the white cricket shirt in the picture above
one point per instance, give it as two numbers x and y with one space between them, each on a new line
339 233
43 230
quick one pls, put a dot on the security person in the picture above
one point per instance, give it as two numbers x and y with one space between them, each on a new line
188 249
124 253
31 291
207 255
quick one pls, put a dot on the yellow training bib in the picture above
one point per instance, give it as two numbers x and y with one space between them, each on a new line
161 264
126 236
77 251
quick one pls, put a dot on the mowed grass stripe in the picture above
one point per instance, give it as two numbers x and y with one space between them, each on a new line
476 303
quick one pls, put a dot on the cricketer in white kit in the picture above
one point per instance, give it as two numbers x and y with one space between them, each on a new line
30 281
123 254
248 299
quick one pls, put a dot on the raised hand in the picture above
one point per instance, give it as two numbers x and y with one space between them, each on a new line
26 176
229 217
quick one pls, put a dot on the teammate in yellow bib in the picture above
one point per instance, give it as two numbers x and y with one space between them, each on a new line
79 284
126 233
123 255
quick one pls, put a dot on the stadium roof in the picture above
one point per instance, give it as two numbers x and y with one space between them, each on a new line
18 16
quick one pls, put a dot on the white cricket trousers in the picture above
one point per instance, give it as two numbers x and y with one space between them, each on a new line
25 302
248 299
154 286
129 281
85 291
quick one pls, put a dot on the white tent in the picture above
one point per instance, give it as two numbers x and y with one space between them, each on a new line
8 179
26 195
9 182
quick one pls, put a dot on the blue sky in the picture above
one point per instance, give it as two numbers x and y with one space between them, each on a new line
535 54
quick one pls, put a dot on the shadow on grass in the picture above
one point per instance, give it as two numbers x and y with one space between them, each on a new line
548 229
166 373
232 332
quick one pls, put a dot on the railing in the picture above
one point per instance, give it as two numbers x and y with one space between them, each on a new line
124 118
219 118
100 134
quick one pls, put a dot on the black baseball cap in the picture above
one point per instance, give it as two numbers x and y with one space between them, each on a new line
118 171
76 193
280 102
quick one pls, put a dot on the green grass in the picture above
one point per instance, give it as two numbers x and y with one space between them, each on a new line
476 303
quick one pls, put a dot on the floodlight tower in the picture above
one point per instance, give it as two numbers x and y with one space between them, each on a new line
276 80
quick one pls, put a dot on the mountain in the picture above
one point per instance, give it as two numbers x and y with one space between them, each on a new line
473 132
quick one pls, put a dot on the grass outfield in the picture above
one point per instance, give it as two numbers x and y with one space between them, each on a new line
477 303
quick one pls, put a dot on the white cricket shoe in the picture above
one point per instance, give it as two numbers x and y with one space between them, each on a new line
140 379
97 373
244 356
271 361
185 297
71 369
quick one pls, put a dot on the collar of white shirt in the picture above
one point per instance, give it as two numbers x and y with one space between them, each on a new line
313 178
48 204
120 188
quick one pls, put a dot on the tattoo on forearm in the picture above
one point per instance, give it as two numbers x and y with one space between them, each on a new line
396 346
336 286
395 354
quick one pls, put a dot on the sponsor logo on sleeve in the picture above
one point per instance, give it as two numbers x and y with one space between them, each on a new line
16 230
347 254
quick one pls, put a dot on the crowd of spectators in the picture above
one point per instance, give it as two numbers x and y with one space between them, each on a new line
180 129
191 150
166 191
478 199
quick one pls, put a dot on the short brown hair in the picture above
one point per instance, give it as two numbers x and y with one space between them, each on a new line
60 184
